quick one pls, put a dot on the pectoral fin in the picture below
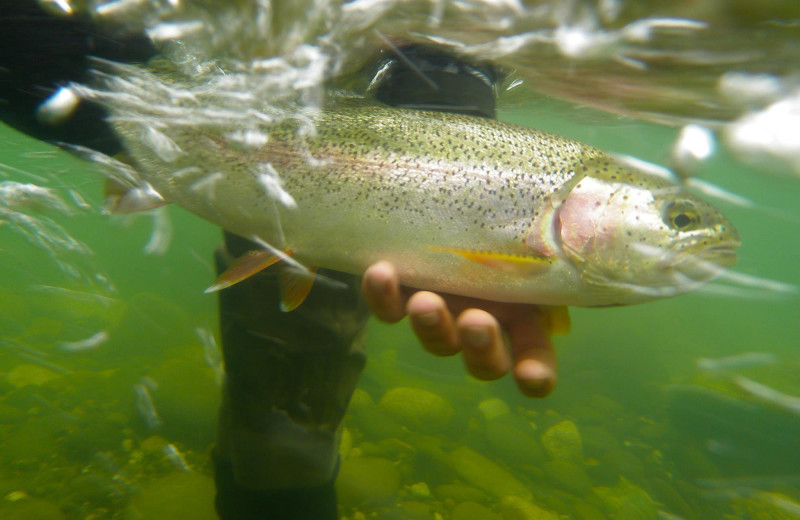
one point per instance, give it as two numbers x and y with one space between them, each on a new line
295 286
244 267
508 263
295 283
121 199
558 321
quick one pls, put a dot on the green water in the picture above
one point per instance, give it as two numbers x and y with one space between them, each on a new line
634 430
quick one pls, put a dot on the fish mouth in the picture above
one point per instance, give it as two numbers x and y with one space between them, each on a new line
721 255
710 262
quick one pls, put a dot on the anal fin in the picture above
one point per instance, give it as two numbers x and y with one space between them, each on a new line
558 321
295 286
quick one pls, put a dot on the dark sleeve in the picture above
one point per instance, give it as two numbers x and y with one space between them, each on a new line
422 77
40 52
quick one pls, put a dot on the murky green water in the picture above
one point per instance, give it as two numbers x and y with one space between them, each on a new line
636 429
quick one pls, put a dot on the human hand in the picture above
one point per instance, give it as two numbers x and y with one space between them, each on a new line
477 332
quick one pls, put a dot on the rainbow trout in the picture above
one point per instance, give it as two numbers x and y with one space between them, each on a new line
459 204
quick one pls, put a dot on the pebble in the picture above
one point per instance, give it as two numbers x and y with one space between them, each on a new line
176 496
568 476
418 409
473 511
486 475
367 481
563 441
516 508
30 509
26 375
460 493
515 446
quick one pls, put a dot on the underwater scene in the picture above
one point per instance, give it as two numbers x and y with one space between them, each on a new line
682 408
111 371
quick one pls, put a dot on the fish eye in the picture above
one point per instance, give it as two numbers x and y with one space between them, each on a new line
681 216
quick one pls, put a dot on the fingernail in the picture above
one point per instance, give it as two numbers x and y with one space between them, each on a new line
478 337
427 319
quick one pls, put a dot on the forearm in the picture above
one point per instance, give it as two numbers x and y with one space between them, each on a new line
289 376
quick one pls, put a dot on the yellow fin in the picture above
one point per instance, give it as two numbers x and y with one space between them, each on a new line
557 319
244 267
508 263
295 286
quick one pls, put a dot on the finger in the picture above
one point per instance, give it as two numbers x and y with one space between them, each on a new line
482 343
432 323
534 356
381 289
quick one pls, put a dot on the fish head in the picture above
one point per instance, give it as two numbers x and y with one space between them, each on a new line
636 236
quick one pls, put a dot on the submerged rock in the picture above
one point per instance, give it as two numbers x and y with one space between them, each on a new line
598 441
376 423
176 496
515 446
420 490
627 501
568 475
625 463
486 475
367 481
418 409
11 414
431 460
26 375
411 510
345 443
460 493
563 441
187 399
665 493
493 408
766 506
473 511
395 448
30 444
516 508
597 409
359 399
584 511
30 509
82 443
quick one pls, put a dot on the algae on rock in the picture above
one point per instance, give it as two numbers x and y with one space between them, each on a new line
473 511
175 496
516 508
627 501
486 475
563 441
367 481
418 409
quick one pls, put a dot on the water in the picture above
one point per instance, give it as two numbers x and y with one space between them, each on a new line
109 382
